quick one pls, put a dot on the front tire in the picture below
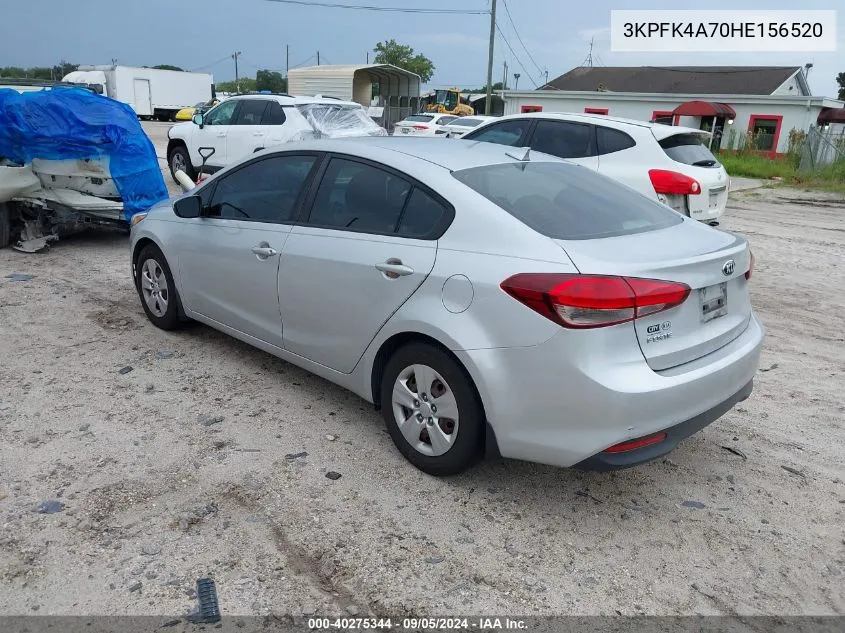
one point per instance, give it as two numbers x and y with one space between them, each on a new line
431 409
179 158
157 290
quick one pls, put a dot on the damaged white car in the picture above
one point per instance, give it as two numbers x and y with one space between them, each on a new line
71 159
243 125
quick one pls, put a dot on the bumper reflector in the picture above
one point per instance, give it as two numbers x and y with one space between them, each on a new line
632 445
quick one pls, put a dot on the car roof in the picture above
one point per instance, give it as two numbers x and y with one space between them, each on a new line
453 156
661 130
286 99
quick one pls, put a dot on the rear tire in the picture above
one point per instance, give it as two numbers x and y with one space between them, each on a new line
157 290
179 158
417 380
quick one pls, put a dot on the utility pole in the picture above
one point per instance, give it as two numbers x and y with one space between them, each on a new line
368 57
318 58
505 77
287 59
516 81
235 56
488 104
547 77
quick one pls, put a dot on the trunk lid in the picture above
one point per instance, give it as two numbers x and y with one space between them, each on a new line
717 310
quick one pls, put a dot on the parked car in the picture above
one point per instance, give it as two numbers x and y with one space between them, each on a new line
605 328
242 125
462 125
425 124
186 114
670 164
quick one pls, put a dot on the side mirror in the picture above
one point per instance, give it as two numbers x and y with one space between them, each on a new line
188 207
198 120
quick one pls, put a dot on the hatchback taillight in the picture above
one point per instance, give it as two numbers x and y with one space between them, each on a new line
665 181
590 301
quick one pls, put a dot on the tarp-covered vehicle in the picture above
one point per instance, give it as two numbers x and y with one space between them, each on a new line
70 159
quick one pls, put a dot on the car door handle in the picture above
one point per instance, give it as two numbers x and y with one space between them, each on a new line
258 133
221 135
264 251
394 268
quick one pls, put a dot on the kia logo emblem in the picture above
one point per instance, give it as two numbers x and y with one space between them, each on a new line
728 268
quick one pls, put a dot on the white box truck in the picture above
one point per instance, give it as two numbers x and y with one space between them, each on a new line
153 93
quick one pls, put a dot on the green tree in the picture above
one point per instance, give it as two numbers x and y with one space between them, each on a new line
247 84
391 52
270 80
167 67
840 79
496 87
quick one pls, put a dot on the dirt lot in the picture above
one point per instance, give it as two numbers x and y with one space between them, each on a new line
177 469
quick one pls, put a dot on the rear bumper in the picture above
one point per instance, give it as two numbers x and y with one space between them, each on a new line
567 400
674 434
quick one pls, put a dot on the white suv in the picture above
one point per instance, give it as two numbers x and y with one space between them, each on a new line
661 161
245 124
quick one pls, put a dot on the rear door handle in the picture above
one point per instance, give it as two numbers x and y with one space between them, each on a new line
221 135
258 133
394 268
263 251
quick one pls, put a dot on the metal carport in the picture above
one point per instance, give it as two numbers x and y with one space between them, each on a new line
399 89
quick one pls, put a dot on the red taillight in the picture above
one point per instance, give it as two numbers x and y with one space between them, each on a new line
420 127
750 266
665 181
590 301
635 444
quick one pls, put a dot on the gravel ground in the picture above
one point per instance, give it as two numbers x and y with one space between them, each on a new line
172 454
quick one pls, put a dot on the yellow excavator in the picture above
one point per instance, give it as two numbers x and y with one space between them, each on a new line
449 102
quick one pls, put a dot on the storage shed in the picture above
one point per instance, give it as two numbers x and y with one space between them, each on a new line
394 89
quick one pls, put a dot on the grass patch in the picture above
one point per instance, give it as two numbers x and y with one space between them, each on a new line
829 178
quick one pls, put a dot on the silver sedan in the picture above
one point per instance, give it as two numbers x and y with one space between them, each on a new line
487 299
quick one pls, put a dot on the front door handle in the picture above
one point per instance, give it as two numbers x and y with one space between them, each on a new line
221 135
264 250
394 268
258 133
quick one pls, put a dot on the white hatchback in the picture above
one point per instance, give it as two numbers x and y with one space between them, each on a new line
424 124
667 163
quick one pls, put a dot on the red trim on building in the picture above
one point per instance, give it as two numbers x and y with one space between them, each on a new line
596 110
768 117
531 108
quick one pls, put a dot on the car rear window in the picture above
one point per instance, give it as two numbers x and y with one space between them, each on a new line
466 122
688 149
566 201
420 118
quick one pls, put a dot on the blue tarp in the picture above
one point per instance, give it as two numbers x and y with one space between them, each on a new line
73 123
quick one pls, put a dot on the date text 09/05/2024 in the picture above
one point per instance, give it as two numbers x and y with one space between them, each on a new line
414 624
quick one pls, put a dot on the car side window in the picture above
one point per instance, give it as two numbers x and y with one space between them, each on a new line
222 114
251 112
274 114
267 190
611 140
359 197
504 133
422 215
564 139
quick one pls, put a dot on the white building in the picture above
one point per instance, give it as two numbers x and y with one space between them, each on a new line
734 102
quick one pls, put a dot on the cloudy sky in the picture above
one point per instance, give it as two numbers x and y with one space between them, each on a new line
201 35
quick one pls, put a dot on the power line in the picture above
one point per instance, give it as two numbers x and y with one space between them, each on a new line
303 63
513 24
364 7
518 61
219 61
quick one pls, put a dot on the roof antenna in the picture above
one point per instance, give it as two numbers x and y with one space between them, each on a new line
520 154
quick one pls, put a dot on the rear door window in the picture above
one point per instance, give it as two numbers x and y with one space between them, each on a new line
611 140
504 133
251 112
359 197
274 114
567 201
422 215
688 149
564 139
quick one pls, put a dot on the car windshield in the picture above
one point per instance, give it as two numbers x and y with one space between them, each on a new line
566 201
420 118
688 149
